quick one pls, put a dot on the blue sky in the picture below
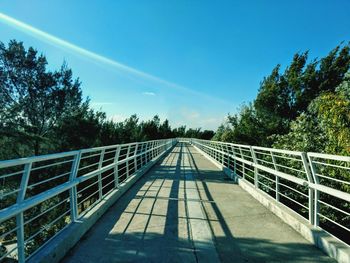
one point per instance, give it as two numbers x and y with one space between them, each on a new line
189 61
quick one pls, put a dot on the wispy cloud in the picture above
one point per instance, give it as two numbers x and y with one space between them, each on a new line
148 93
96 57
194 118
118 117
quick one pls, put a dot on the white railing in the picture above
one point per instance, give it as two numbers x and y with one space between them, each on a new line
316 186
42 195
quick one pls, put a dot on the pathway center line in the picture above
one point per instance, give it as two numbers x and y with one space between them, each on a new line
201 234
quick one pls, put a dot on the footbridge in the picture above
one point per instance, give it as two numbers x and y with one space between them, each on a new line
176 200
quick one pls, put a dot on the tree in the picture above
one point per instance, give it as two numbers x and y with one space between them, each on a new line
283 96
220 131
207 135
180 131
165 130
325 127
43 111
150 129
33 99
129 130
83 128
243 127
193 133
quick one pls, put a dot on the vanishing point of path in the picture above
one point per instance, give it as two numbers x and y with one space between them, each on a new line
186 210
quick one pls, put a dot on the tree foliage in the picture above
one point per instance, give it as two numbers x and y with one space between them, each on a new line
43 111
325 126
303 98
304 108
32 99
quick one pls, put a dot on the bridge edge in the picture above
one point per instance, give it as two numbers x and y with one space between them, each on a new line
329 244
62 243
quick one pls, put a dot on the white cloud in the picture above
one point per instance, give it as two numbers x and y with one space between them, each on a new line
117 117
148 93
193 115
194 118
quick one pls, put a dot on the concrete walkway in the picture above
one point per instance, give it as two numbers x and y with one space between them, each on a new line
186 210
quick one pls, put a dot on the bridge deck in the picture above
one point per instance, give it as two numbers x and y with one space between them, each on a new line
185 210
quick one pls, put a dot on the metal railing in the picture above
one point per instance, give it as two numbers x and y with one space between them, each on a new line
40 196
314 185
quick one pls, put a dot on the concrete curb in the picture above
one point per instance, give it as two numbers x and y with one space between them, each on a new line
329 244
323 240
61 244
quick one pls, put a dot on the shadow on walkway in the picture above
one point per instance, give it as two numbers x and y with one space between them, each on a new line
151 222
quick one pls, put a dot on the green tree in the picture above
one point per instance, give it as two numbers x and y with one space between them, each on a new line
32 99
150 129
193 133
180 131
283 96
165 130
129 130
82 128
207 134
243 127
325 127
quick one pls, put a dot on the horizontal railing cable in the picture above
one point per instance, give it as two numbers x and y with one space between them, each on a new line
41 195
314 185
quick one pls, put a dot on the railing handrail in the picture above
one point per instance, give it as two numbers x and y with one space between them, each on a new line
106 159
43 157
263 167
268 169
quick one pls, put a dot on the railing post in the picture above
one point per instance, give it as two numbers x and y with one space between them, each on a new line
228 160
277 179
116 167
229 152
152 152
146 153
232 156
213 150
222 155
157 149
235 166
143 156
315 194
73 195
135 156
127 162
243 164
99 178
256 177
19 217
